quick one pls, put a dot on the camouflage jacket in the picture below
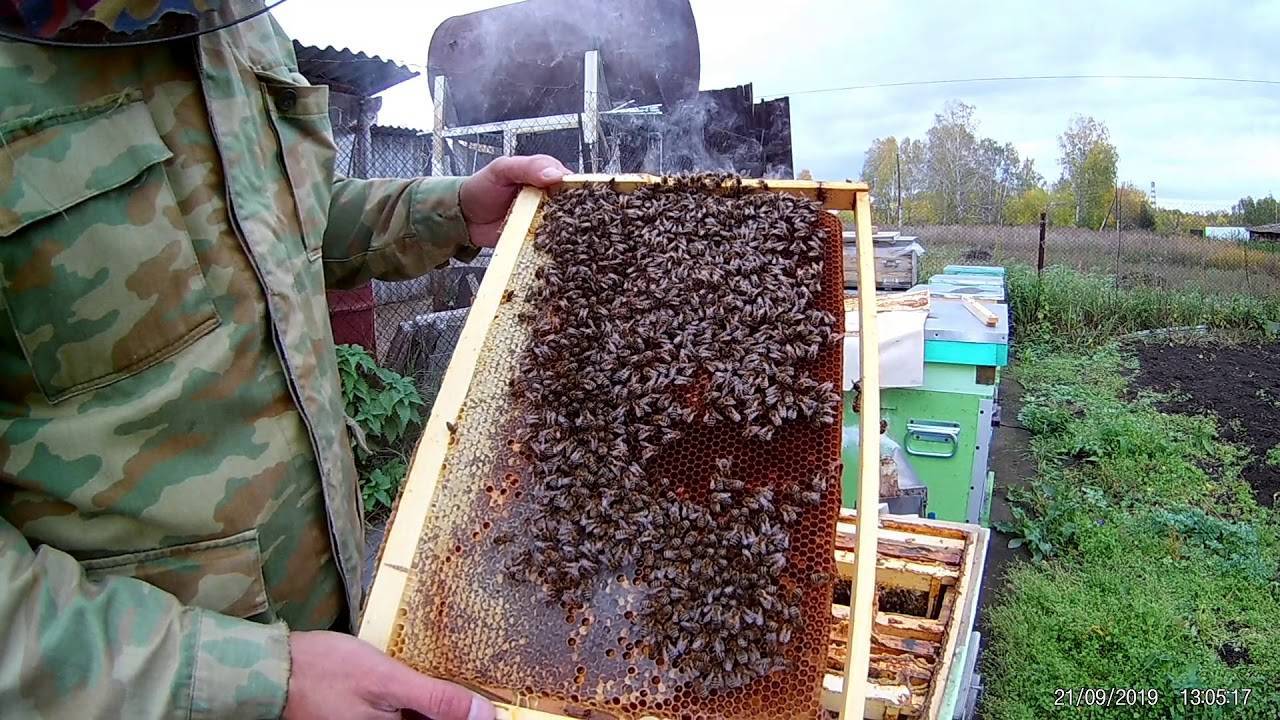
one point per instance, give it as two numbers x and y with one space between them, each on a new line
176 486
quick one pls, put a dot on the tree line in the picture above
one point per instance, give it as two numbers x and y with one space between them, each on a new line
1247 212
953 176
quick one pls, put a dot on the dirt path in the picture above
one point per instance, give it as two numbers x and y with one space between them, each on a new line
1014 467
1241 385
1011 460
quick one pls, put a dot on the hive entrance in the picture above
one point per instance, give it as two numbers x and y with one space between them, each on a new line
636 516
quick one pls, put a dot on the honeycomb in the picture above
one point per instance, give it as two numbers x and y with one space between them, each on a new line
475 613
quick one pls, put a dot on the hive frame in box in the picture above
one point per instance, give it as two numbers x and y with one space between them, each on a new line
384 604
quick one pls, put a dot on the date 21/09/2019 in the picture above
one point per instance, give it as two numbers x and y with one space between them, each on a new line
1150 697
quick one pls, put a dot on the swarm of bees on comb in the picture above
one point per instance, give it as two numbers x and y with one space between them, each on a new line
662 313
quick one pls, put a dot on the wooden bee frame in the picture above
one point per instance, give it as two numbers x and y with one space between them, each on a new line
384 605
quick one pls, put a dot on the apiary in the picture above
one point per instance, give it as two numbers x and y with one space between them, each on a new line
625 502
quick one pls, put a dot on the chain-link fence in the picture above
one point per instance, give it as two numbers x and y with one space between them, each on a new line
1134 258
724 130
630 144
411 326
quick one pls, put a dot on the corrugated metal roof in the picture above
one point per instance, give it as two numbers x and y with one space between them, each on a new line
1271 228
396 130
353 73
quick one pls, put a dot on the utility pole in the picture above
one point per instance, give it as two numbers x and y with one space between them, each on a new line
897 162
1117 234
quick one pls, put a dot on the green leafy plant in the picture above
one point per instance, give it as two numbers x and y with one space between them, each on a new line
1273 456
1235 545
1026 531
380 488
384 415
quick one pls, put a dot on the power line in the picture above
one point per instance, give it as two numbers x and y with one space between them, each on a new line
1018 78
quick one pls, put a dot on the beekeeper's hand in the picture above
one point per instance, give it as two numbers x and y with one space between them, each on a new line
486 196
341 677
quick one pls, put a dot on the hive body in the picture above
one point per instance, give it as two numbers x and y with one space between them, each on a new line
636 513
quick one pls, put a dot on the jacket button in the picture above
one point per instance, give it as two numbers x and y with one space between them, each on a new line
287 100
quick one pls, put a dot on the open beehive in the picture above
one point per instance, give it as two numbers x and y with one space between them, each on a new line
927 576
447 601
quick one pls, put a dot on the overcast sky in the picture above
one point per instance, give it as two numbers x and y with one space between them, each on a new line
1204 144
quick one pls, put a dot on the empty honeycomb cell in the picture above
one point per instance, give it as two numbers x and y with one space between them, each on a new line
746 287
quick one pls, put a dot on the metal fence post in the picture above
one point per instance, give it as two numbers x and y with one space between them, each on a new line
440 100
1035 310
1044 216
362 142
1248 280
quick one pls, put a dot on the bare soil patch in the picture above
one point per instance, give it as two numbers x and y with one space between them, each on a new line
1240 385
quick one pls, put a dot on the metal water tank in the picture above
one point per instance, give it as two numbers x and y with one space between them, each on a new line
526 59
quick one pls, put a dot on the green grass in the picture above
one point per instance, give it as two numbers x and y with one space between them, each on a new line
1068 307
1065 305
1154 556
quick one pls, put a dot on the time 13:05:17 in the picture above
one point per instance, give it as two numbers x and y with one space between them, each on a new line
1210 697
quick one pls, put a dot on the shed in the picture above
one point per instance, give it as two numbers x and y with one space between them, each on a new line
1226 233
1265 233
353 79
354 74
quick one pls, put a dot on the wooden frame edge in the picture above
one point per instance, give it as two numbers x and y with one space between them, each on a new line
862 596
401 542
507 711
833 195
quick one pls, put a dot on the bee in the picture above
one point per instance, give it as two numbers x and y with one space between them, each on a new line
633 309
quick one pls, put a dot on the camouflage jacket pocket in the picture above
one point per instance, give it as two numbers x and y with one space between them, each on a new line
97 272
300 116
222 575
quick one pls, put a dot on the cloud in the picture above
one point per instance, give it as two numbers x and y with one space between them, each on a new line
1200 142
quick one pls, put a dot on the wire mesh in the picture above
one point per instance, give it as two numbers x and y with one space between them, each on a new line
1131 258
410 326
